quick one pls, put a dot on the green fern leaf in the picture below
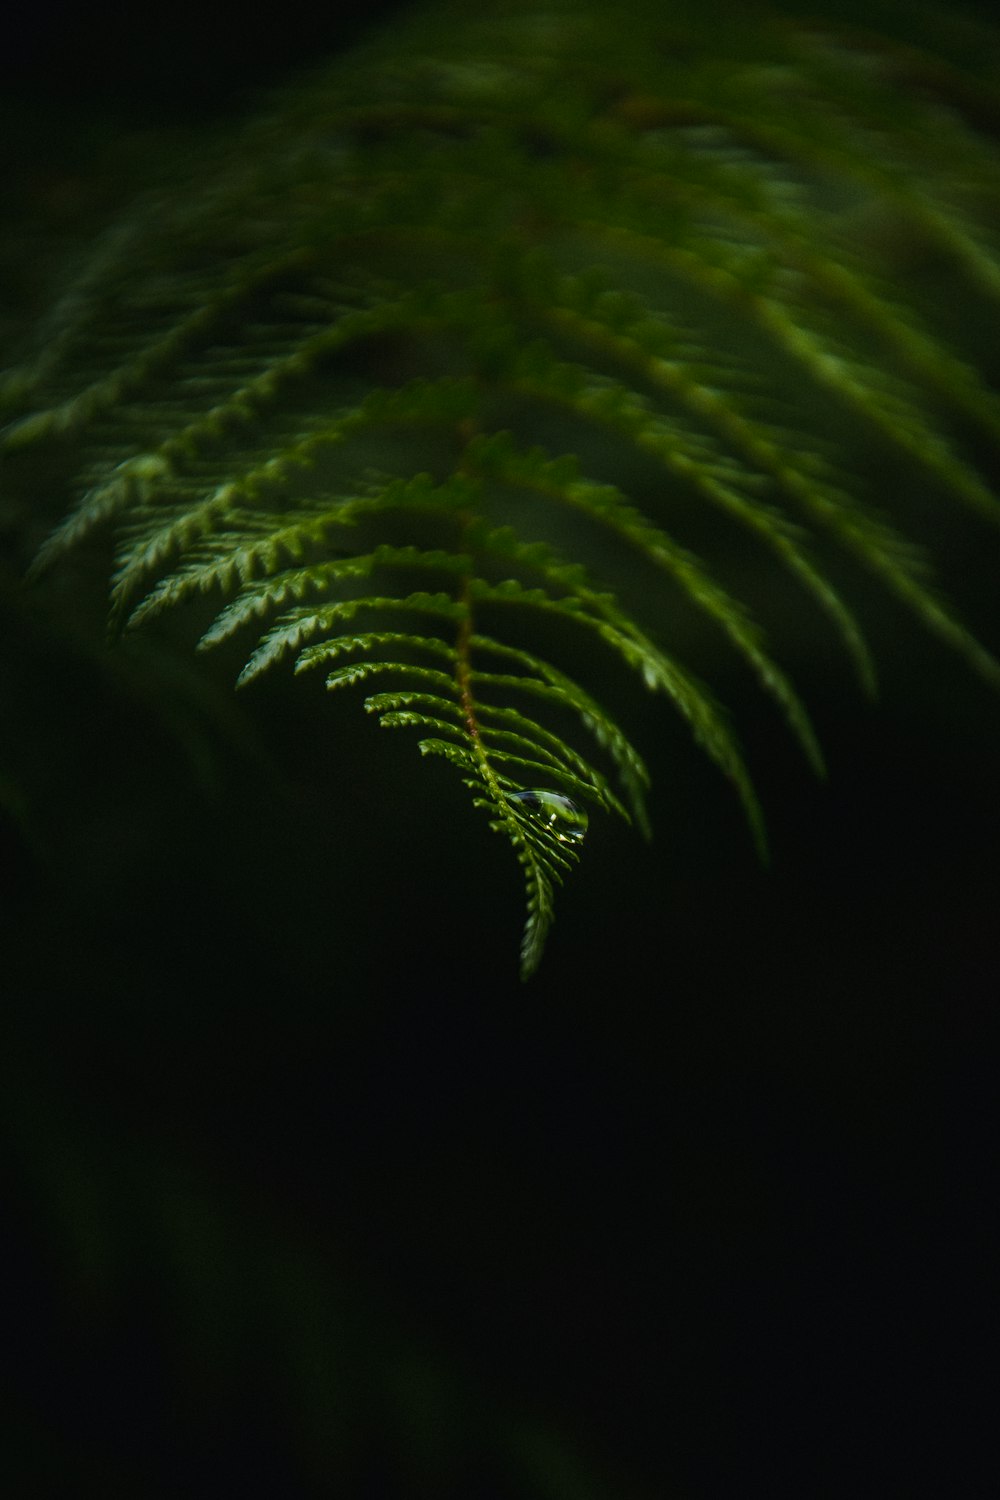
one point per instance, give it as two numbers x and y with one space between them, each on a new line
500 309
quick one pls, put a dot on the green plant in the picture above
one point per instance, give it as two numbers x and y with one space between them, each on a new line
432 371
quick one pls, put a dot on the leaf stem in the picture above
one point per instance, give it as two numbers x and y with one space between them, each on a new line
463 666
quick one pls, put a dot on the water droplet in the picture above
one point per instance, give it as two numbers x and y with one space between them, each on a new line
560 815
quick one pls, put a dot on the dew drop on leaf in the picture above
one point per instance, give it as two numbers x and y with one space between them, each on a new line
560 815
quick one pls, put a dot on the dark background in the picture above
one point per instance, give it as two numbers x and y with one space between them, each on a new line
308 1194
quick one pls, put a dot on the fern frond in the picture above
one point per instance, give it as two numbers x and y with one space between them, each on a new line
799 474
506 307
558 480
